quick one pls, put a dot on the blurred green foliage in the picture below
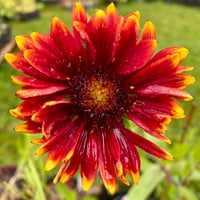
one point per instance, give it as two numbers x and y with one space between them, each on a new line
9 8
176 25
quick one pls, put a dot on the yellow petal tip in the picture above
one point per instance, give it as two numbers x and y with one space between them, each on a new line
49 103
19 39
78 4
86 183
136 177
183 52
111 188
64 178
50 164
21 128
123 178
137 14
9 57
37 141
169 157
100 14
111 9
167 140
40 151
55 180
119 167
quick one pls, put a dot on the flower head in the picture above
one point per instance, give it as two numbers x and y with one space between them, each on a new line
80 86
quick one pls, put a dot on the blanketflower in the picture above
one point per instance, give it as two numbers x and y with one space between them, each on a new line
80 87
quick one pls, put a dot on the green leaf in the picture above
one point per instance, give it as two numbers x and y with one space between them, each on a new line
180 150
195 176
35 179
187 168
186 194
130 124
89 198
64 192
150 179
195 152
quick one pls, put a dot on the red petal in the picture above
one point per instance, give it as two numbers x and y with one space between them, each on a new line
16 113
47 47
97 20
24 42
61 109
27 91
44 64
130 29
17 61
156 90
29 127
45 44
164 70
103 26
89 163
58 153
124 154
149 125
162 67
181 68
107 170
56 104
52 106
126 36
79 13
76 159
136 58
83 34
70 133
22 80
55 140
71 170
32 105
115 151
111 11
134 164
60 172
64 39
54 158
179 81
182 53
146 145
148 31
166 106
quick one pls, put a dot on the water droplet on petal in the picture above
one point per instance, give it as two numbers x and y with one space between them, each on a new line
69 65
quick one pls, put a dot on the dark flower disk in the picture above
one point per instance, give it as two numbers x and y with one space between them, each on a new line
80 86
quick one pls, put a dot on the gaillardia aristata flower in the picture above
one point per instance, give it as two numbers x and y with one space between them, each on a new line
80 86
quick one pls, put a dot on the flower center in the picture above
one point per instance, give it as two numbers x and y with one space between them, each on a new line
98 94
